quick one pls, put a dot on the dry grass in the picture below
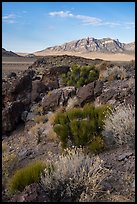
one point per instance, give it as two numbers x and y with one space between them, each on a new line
120 198
40 119
120 125
37 131
72 102
8 162
73 174
51 135
4 147
52 115
38 110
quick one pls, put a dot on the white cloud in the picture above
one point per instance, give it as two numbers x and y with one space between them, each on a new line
89 20
9 18
9 21
61 13
128 25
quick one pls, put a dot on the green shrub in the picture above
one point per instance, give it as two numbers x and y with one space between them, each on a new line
96 145
25 176
80 75
62 131
80 124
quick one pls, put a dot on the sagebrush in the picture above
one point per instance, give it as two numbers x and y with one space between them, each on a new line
119 126
72 174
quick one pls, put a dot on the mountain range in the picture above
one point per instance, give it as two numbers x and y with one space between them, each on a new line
104 45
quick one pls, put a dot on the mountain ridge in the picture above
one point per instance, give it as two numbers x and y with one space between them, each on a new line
104 45
6 53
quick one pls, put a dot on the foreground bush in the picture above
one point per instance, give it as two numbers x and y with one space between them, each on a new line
80 75
80 125
26 176
119 126
72 175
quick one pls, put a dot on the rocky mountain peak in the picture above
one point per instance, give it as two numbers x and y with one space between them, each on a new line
90 44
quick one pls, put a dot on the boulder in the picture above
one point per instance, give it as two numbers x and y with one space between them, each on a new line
12 74
37 88
118 91
24 83
67 92
58 70
51 100
86 94
51 76
98 88
11 116
57 97
106 96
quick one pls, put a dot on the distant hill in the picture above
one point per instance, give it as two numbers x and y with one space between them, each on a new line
6 53
104 45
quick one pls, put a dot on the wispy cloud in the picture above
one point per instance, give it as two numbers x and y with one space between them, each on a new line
24 12
61 13
129 25
9 18
89 20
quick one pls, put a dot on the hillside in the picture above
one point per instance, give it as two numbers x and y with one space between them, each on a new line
56 106
6 53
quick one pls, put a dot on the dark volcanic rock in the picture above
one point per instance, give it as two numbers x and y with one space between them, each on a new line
51 76
59 70
106 96
22 84
11 116
98 88
51 101
86 94
32 193
57 97
12 74
118 91
37 88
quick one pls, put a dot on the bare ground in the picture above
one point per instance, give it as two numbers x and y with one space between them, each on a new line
16 64
92 55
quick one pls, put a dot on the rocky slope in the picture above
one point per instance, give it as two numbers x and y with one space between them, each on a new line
6 53
38 89
105 45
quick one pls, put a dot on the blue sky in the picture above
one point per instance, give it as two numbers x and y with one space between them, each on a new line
33 26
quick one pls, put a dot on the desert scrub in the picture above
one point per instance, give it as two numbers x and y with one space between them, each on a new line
38 110
73 174
9 161
116 73
119 126
26 176
37 131
4 147
96 145
80 75
40 119
80 125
